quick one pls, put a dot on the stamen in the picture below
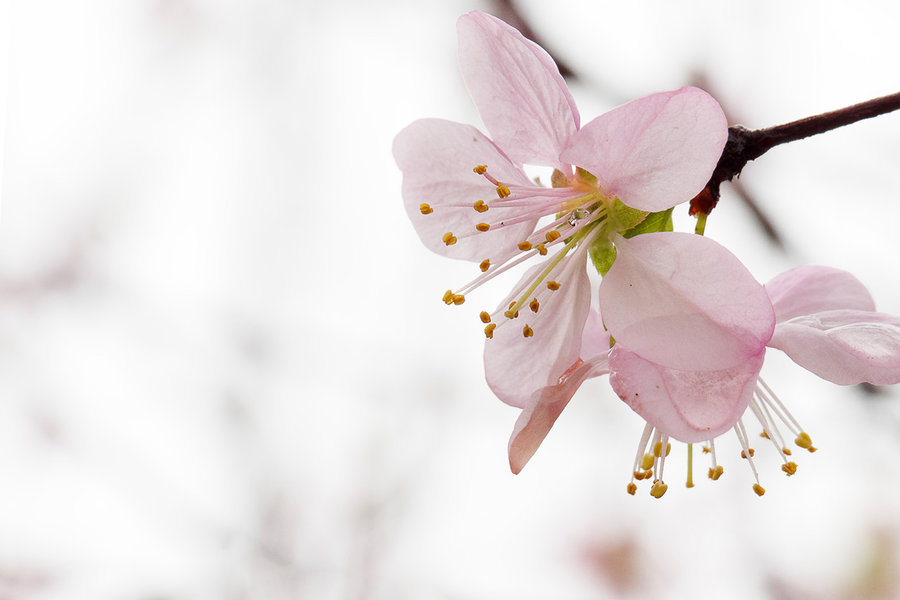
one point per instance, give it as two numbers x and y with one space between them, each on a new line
503 191
525 246
485 316
552 236
489 330
553 285
527 331
535 305
482 227
480 169
449 239
425 209
480 206
485 265
542 249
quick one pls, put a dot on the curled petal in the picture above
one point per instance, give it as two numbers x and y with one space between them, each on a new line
691 406
811 289
437 158
685 302
653 152
523 100
844 346
514 365
545 406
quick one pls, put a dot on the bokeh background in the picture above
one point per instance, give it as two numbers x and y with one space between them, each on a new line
225 370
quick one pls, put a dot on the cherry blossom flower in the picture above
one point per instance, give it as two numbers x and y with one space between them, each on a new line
690 327
468 196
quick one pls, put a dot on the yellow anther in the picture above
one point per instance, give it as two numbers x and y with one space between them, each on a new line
542 249
482 227
480 206
485 317
706 450
503 191
646 474
527 331
449 239
480 169
526 245
553 285
458 299
552 236
787 451
659 488
812 449
631 489
803 440
760 490
425 209
744 453
485 265
646 462
534 305
764 435
668 449
510 314
714 474
657 449
489 330
789 468
448 297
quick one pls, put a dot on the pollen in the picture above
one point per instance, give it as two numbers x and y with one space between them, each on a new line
485 265
449 239
527 331
647 462
480 169
448 297
480 206
631 489
804 441
425 209
485 317
552 236
458 299
503 191
760 490
524 246
751 451
489 330
714 474
659 488
553 285
482 227
542 249
790 468
534 305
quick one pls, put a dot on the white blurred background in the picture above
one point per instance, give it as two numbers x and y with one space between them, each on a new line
225 371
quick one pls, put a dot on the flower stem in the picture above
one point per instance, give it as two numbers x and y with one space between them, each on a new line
744 145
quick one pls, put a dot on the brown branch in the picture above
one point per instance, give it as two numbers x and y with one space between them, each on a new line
744 145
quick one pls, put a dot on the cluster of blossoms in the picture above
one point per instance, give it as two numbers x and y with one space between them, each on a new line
679 324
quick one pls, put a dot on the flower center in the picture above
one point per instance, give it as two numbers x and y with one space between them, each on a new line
765 406
574 214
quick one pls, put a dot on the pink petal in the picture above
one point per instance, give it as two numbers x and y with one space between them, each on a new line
516 366
844 346
811 289
437 158
653 152
690 406
517 88
544 407
685 302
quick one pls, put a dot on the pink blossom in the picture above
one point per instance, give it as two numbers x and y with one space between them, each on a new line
469 198
691 327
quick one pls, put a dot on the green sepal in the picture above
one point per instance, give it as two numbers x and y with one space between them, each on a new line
657 221
603 255
624 217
